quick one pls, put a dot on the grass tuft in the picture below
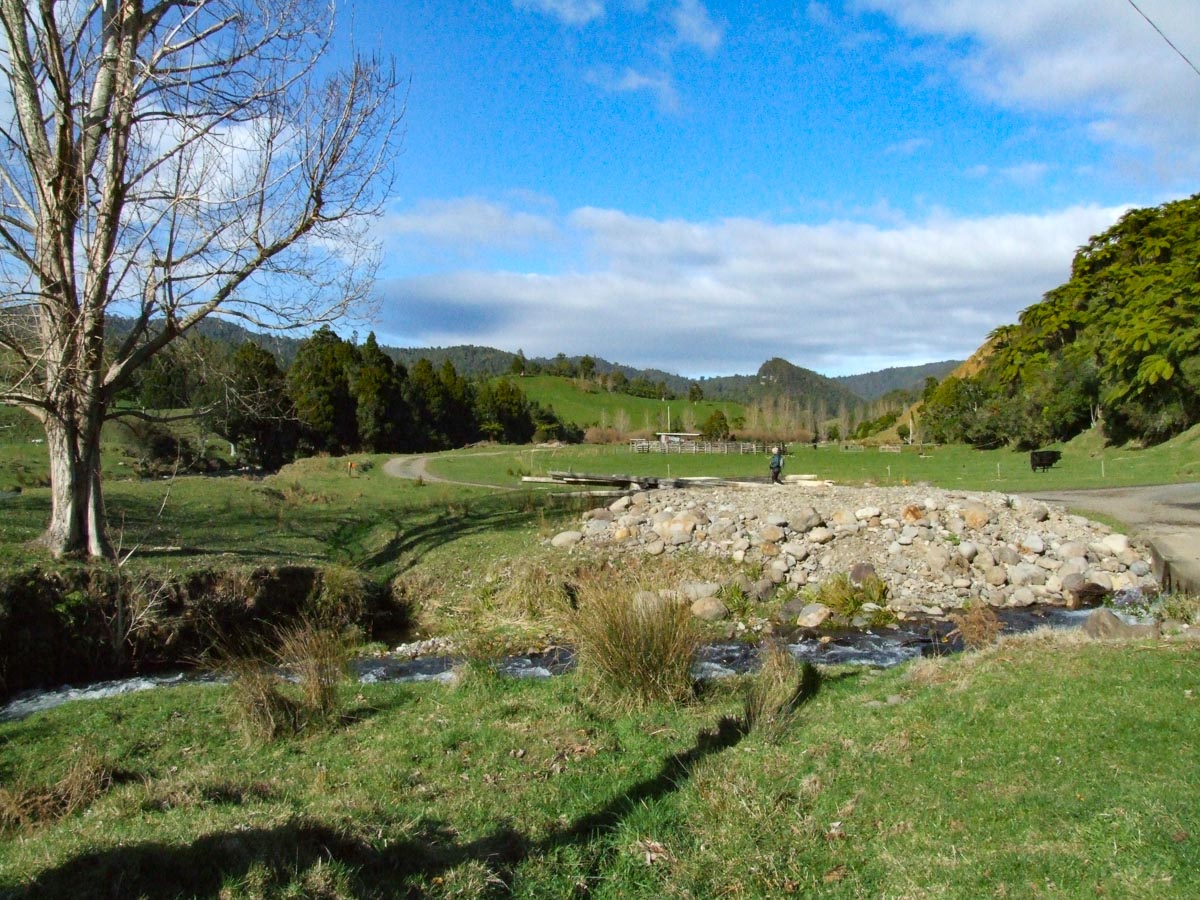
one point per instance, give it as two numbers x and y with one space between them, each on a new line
318 655
977 625
342 596
634 651
27 806
777 691
263 712
847 599
266 707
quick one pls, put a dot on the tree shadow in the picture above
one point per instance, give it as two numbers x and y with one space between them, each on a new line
380 866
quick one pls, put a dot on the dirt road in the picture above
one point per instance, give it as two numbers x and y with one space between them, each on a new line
414 468
1167 516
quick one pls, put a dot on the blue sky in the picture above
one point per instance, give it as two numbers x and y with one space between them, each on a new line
697 187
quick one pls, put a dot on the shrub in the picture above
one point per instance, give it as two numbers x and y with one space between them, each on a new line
635 651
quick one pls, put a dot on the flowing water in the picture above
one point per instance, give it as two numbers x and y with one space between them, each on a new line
879 648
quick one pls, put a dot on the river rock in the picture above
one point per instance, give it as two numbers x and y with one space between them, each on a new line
813 615
699 590
771 534
934 548
1116 543
861 572
806 519
1105 625
975 515
820 535
1032 543
710 609
566 539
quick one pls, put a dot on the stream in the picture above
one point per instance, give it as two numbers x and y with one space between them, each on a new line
880 648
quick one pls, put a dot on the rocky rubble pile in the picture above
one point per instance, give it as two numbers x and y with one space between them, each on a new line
936 550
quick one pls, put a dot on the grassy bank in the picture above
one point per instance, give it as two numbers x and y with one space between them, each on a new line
1040 768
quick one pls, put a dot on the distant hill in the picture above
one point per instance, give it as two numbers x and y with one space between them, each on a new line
467 359
780 377
873 385
775 377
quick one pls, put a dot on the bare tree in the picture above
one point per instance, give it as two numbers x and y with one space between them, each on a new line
164 161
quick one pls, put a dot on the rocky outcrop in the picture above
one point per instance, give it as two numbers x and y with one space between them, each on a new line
936 550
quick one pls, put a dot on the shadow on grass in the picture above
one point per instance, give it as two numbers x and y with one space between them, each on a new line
453 520
381 866
339 535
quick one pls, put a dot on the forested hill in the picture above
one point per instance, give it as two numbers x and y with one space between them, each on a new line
776 377
1118 345
873 385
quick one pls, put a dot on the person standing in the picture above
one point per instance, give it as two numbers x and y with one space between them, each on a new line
776 465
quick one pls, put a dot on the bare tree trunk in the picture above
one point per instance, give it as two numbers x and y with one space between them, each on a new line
77 521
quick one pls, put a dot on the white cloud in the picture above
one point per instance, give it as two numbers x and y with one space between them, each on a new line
694 27
818 13
570 12
630 81
1026 174
470 223
722 297
1099 62
908 147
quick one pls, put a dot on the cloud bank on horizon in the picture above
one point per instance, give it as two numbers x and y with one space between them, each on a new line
696 187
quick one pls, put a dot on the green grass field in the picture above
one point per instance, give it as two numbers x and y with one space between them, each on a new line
1039 768
1086 463
585 404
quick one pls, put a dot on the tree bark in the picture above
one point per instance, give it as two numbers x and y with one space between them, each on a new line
77 522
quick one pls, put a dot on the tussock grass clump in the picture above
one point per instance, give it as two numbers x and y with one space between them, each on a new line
847 598
777 691
318 655
263 712
26 806
633 646
977 625
266 705
1181 607
342 595
534 588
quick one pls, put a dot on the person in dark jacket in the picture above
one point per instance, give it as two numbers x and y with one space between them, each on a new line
776 465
